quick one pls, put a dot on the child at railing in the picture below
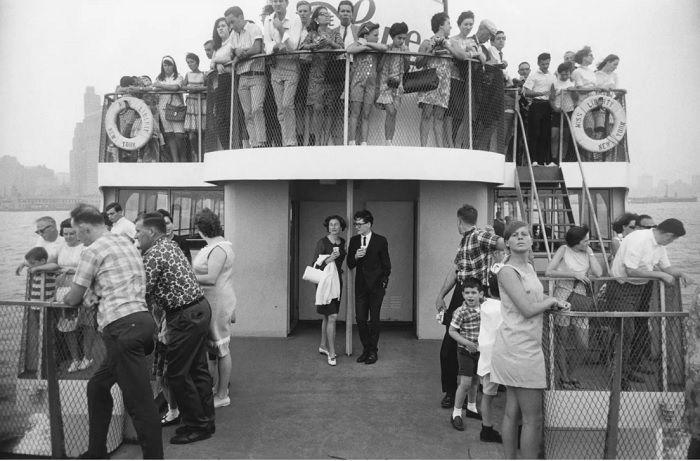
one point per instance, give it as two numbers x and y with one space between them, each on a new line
196 105
392 69
363 81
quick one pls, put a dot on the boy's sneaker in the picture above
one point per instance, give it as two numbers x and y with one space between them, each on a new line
457 422
489 434
472 414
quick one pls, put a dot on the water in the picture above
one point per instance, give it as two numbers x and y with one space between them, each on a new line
17 237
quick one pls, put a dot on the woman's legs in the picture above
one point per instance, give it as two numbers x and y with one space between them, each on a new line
224 368
173 141
564 339
438 125
330 333
72 342
447 131
364 128
390 123
324 334
425 121
509 428
317 124
355 110
530 402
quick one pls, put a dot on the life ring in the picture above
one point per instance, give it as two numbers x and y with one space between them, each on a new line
619 123
144 132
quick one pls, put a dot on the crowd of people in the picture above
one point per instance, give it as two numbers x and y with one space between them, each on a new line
134 284
290 81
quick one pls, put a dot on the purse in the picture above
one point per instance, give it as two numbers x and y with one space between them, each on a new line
313 275
582 303
335 71
420 80
175 113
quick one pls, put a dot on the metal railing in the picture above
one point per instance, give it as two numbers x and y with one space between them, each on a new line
615 371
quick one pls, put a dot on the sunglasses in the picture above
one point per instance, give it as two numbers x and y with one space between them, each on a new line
42 230
647 227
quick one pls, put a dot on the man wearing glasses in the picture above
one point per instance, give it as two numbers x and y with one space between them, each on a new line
48 238
645 221
369 253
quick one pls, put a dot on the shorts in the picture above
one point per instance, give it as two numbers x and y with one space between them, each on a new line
458 99
364 92
489 388
468 362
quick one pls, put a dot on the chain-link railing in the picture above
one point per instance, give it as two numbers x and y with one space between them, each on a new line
615 372
48 351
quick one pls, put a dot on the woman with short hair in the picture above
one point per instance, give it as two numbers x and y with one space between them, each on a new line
333 247
213 267
623 226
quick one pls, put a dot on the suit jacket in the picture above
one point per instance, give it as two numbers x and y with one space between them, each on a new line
375 267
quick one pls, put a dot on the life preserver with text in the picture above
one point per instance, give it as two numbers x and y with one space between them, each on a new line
145 130
618 129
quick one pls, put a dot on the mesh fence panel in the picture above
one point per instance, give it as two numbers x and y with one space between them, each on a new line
47 350
615 381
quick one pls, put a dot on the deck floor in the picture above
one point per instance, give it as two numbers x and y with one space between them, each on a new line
287 402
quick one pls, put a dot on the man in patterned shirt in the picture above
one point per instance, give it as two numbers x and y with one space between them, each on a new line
472 260
172 286
110 265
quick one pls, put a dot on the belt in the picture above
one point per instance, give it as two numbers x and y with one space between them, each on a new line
540 101
251 73
186 306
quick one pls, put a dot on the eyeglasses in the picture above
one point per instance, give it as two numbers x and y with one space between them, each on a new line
647 227
632 227
43 229
359 224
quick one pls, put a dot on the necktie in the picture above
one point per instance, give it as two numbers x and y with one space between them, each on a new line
345 33
500 55
364 240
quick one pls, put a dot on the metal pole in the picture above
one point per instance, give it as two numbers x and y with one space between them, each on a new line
611 433
233 101
200 155
664 351
346 102
55 418
444 6
471 102
350 286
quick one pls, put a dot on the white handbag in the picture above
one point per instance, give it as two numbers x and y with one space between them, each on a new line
313 275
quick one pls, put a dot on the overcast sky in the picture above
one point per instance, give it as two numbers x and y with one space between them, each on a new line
53 49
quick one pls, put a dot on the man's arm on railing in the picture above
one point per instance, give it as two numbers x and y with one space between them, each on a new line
75 296
665 277
677 273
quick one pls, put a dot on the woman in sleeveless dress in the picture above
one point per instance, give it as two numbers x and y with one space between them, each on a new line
576 261
213 267
518 360
196 105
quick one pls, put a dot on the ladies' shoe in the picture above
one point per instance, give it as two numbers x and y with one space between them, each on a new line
171 418
74 366
331 360
218 403
85 364
322 350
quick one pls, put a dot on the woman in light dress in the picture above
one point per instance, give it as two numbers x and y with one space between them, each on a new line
518 360
213 267
606 78
173 131
196 105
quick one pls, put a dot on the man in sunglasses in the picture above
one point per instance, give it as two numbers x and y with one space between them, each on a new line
48 238
644 221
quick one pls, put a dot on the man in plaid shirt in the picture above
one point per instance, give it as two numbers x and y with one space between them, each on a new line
111 266
472 260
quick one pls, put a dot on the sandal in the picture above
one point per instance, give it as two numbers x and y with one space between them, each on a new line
331 360
322 351
171 418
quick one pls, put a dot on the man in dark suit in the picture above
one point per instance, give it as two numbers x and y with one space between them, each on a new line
369 253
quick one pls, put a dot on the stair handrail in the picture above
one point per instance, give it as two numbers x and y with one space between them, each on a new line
584 186
536 196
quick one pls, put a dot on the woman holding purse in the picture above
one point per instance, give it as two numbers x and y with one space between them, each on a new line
576 261
171 108
334 246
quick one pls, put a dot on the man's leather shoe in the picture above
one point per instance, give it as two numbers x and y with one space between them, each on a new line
457 423
190 437
472 414
371 358
447 401
185 429
363 357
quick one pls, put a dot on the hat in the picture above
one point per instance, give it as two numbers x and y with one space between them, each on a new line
366 28
488 24
673 226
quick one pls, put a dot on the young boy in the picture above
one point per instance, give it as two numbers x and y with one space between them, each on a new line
464 329
491 319
562 101
41 286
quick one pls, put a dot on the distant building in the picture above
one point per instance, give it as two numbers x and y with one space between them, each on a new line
86 144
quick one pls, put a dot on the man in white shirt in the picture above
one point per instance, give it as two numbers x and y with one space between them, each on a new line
641 254
348 31
538 86
48 239
120 225
282 33
247 40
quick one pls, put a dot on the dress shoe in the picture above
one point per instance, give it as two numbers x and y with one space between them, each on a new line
472 414
363 357
489 434
190 437
371 358
457 422
186 429
171 418
447 401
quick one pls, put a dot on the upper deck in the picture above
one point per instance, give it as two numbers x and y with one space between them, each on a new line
480 129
